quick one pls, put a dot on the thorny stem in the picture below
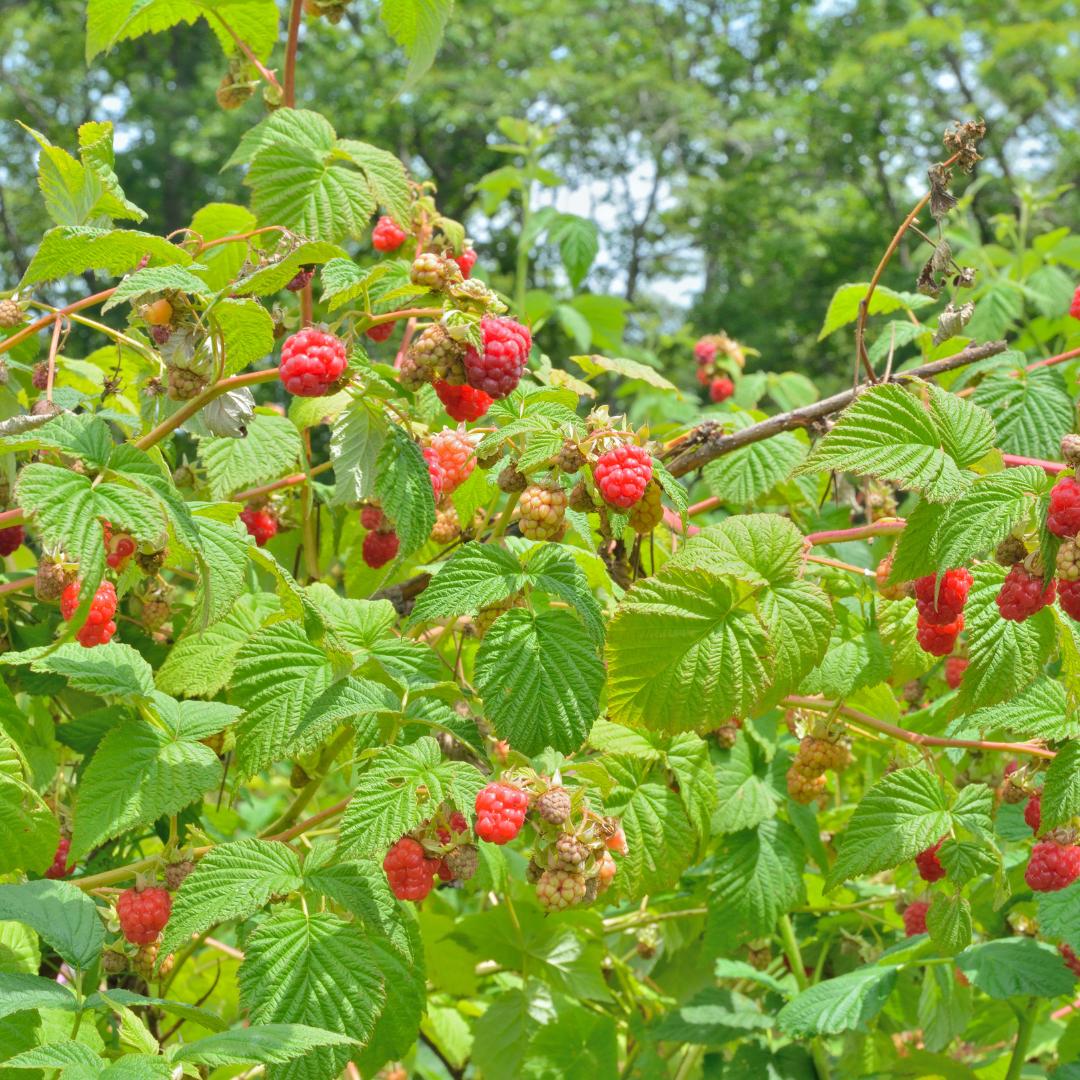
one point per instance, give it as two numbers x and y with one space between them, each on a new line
223 386
885 527
45 320
913 738
54 346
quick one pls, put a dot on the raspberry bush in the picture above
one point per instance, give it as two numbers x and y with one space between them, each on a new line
395 688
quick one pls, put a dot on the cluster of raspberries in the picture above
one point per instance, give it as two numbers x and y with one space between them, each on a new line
381 542
940 604
709 373
571 860
817 754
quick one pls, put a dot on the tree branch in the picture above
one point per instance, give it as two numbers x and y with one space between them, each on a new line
708 441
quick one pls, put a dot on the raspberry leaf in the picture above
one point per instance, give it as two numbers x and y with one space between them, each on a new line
758 879
1030 409
247 332
754 470
902 814
356 440
844 306
403 485
1061 791
271 448
222 263
30 829
74 249
845 1003
291 952
886 433
223 579
265 1044
541 679
417 26
949 923
398 791
659 837
1012 966
474 577
232 881
748 788
278 675
62 915
116 671
1040 711
155 279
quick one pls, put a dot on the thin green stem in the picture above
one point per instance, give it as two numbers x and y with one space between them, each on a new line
309 790
798 969
1026 1024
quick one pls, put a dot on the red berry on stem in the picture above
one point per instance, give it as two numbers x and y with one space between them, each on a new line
915 918
11 538
380 331
450 460
463 403
1074 307
622 474
929 865
496 368
1052 866
143 915
705 351
1063 516
311 362
380 547
59 868
938 640
1033 811
99 626
1069 598
721 388
466 261
500 812
387 235
955 667
409 871
371 517
261 524
941 602
1022 594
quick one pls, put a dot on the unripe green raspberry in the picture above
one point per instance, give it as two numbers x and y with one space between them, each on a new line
434 355
543 511
647 512
432 271
558 890
1068 560
1070 450
554 806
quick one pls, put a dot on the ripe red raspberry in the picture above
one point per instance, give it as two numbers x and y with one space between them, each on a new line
497 368
450 460
408 869
915 918
380 547
1072 961
11 538
371 517
1022 594
929 865
99 626
143 915
623 474
955 667
1069 598
463 403
1033 811
1063 516
387 235
938 640
311 362
721 388
952 594
1052 866
1074 307
500 812
381 331
705 351
260 523
59 868
466 261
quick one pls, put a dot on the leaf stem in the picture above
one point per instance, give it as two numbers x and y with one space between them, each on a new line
284 482
798 969
290 53
1026 1024
309 790
45 320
